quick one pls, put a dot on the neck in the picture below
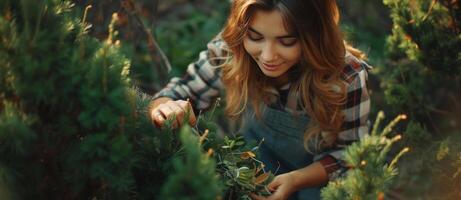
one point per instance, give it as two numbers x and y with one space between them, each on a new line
290 75
280 81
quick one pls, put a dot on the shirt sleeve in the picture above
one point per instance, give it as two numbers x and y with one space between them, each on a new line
201 83
355 124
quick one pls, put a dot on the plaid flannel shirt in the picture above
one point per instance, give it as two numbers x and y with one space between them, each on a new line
202 85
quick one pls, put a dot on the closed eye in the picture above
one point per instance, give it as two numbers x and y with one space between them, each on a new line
286 40
289 41
254 36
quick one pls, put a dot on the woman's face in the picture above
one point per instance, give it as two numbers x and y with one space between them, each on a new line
274 49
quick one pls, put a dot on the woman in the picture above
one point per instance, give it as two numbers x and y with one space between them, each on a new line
289 74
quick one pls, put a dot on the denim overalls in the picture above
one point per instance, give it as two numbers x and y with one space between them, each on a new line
282 147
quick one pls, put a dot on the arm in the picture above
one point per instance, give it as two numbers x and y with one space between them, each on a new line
311 176
200 85
356 113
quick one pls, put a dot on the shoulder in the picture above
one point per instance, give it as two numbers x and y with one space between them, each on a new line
218 51
218 46
355 68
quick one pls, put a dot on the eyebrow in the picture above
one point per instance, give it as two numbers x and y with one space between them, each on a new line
279 37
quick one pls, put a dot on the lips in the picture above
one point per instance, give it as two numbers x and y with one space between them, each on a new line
271 67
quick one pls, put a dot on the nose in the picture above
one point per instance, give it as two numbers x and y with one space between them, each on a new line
268 53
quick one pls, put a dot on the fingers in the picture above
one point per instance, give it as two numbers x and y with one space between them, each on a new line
274 185
176 113
188 109
157 117
257 197
278 192
173 110
276 196
272 197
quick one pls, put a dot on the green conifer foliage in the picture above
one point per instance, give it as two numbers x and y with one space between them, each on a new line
423 78
371 175
423 75
194 175
71 127
63 98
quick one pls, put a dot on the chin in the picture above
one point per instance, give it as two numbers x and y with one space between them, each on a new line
272 74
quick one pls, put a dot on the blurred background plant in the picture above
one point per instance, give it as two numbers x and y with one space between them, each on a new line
182 28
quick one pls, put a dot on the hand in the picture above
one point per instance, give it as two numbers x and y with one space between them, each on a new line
172 109
281 187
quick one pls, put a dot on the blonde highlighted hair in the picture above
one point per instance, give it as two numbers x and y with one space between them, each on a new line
320 87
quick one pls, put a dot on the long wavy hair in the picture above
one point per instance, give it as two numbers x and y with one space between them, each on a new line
321 89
